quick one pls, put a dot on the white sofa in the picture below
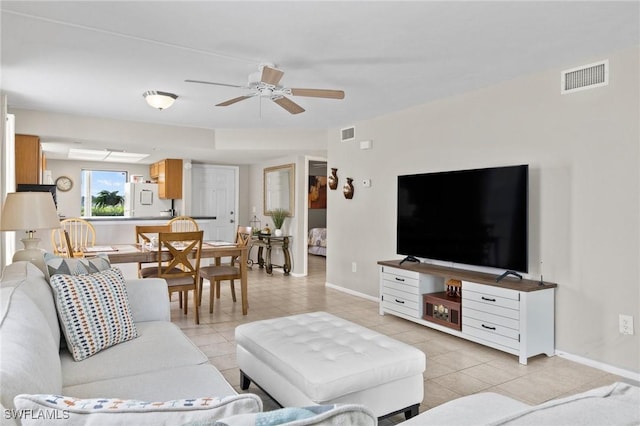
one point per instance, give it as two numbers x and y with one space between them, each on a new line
159 377
616 404
161 364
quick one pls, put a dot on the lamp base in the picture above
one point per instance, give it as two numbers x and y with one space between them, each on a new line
31 253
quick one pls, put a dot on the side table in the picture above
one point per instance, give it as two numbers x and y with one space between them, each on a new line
263 241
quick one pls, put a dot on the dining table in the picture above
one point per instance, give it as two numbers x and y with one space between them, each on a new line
134 253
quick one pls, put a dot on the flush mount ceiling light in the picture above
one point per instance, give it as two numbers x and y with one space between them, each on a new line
159 100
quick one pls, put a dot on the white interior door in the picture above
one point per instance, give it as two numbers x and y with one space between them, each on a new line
215 193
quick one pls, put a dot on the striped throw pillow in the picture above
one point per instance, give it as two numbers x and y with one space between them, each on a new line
94 311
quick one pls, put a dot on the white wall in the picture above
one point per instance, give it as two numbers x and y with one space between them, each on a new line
584 155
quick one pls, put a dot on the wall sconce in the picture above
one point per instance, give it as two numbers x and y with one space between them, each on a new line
159 100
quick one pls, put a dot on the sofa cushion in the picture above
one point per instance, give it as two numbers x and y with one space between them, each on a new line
481 409
100 411
29 353
93 310
305 416
82 266
160 345
30 279
171 383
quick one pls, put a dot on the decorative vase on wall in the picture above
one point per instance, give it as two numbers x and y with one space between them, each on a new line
347 189
333 179
278 232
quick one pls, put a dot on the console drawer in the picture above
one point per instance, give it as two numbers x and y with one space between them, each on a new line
491 332
410 283
404 306
481 315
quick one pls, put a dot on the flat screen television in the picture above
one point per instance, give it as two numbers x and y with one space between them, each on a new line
29 187
474 217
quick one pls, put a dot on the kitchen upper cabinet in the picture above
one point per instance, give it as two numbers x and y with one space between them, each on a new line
30 162
168 175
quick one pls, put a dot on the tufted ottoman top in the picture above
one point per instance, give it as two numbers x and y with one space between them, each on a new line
325 356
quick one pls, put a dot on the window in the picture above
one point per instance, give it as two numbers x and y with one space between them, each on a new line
102 192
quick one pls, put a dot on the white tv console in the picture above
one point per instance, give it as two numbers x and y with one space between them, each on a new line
514 316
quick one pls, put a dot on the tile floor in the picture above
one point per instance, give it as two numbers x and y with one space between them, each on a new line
455 367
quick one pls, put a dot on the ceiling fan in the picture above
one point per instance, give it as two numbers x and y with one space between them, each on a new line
265 84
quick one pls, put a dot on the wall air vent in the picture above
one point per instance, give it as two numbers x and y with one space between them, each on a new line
585 77
348 134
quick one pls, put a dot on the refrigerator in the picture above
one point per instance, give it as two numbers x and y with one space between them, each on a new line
142 200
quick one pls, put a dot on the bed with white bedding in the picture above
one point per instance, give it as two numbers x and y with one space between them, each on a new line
317 241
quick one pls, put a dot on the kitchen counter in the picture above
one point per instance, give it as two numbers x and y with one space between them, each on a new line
122 230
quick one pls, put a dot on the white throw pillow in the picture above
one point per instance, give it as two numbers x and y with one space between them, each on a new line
94 311
56 409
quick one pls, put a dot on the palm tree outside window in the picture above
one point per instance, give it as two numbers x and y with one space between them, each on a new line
103 192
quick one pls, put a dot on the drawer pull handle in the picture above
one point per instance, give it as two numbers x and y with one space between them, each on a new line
486 326
400 279
487 299
400 301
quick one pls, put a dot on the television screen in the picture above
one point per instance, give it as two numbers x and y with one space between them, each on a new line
28 187
474 217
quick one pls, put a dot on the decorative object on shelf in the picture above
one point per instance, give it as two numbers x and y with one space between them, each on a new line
29 211
159 100
255 225
266 230
279 215
64 183
454 288
333 178
317 192
347 189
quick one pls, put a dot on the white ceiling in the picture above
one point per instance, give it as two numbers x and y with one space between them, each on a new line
96 58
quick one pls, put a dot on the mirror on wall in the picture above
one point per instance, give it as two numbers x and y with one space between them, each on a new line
279 188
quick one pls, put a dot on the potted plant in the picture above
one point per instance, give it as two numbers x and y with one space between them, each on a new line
279 215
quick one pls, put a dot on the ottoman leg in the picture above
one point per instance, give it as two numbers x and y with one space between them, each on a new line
245 381
412 411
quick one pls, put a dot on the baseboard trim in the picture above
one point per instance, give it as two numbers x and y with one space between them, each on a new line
351 292
628 374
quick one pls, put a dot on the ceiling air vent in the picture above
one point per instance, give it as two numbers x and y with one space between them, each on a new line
348 134
585 77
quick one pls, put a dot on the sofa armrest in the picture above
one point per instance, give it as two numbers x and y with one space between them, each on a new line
149 299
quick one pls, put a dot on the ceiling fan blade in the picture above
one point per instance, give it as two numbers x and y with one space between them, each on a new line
234 100
289 105
318 93
271 76
211 82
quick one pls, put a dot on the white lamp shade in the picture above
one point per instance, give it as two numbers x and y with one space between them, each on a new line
159 100
28 211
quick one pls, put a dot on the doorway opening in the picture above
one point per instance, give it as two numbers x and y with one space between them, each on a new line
316 214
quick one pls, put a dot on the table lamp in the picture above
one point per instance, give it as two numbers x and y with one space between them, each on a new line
29 211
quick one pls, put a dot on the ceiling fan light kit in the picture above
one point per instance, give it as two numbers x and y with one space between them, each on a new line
268 87
159 100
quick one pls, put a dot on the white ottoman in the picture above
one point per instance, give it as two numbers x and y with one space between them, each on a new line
318 358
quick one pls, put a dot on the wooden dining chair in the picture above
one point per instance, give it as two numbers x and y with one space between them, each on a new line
183 224
229 272
81 233
144 236
68 245
181 264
